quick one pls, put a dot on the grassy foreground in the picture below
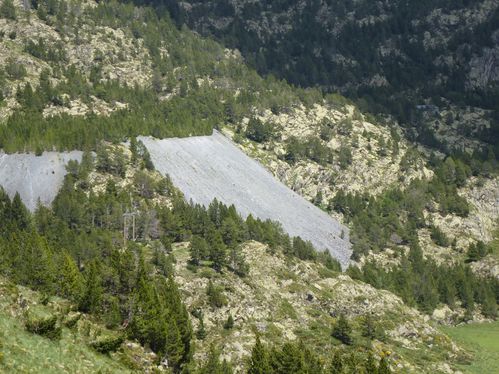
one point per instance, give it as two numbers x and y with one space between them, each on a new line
24 352
483 341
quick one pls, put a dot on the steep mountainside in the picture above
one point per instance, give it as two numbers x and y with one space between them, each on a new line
404 58
200 288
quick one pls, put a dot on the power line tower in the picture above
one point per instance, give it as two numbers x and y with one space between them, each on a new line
126 226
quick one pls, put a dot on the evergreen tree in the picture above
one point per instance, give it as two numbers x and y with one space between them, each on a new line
174 347
33 263
477 251
213 364
198 249
215 295
201 331
383 367
426 292
312 363
370 365
70 280
230 232
217 250
134 150
342 330
237 262
229 324
92 294
19 215
289 359
172 302
259 361
369 327
489 304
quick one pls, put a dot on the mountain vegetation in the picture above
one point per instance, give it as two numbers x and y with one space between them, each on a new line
124 274
394 57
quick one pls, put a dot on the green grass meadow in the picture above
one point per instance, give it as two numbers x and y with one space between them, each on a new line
482 340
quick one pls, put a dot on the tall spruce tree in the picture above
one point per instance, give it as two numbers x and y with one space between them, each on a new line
218 250
70 281
19 215
92 294
259 361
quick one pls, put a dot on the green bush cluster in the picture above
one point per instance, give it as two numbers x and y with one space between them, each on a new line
48 327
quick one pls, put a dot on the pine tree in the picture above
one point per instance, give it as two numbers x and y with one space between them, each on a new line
215 295
289 359
201 331
19 215
217 251
70 280
370 365
230 232
229 323
198 249
92 294
170 295
368 327
174 348
489 304
312 363
213 364
477 251
112 316
34 264
427 294
259 362
146 157
237 262
342 330
134 150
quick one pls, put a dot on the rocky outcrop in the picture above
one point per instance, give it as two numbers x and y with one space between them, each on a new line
282 297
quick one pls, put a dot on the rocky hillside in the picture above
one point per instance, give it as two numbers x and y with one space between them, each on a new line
359 155
283 299
122 244
409 60
38 41
276 295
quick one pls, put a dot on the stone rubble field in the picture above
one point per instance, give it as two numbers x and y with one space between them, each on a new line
209 167
203 168
34 177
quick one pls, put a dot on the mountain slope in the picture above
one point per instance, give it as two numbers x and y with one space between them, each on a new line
88 76
393 56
